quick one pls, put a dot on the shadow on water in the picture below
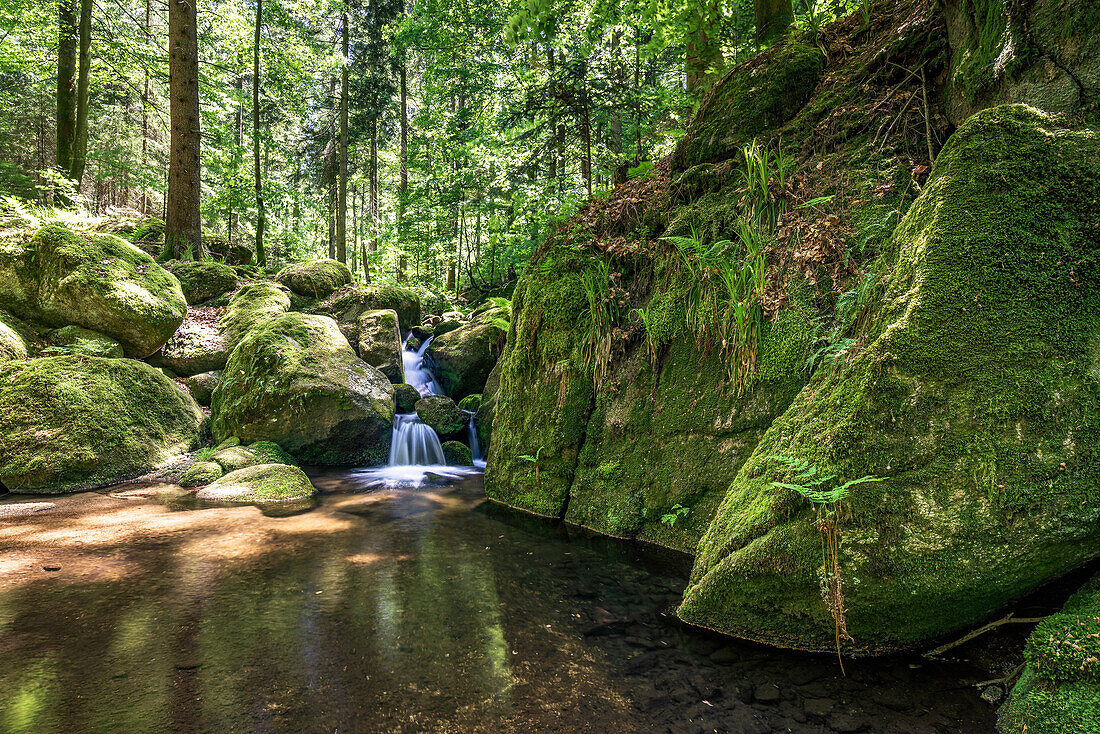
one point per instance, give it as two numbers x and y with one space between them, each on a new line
397 608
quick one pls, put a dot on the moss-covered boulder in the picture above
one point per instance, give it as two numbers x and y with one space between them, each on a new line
262 483
446 326
974 392
407 397
200 473
78 340
457 454
471 403
197 346
12 345
231 458
1059 691
296 381
760 94
379 343
253 305
463 358
315 278
202 385
98 281
441 413
70 422
348 305
203 280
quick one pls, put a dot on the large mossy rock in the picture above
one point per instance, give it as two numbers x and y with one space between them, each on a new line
462 358
97 281
202 386
12 345
197 346
203 280
349 304
78 340
315 278
441 413
407 397
457 453
975 393
296 381
71 422
379 343
262 483
253 305
758 95
1059 691
1043 53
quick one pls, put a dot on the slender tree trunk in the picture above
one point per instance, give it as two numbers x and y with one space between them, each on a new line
145 117
183 225
616 142
373 192
67 35
550 66
403 182
773 18
332 221
342 191
261 211
238 140
80 137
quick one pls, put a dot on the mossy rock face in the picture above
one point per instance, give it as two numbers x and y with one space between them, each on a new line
315 278
463 358
262 483
472 403
483 419
203 280
1059 691
457 454
758 95
98 281
78 340
441 413
231 458
407 397
446 326
200 473
423 331
1043 53
253 305
380 343
149 231
202 385
976 394
12 345
350 303
197 346
296 381
69 422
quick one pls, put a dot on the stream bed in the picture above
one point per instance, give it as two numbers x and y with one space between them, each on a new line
398 609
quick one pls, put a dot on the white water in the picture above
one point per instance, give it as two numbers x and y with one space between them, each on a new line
475 447
414 447
414 442
416 374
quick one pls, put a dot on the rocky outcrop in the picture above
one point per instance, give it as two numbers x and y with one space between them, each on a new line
462 358
441 413
348 304
379 343
974 395
70 422
297 382
96 281
253 305
315 278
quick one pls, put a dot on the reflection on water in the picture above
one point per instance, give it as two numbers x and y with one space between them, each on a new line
407 609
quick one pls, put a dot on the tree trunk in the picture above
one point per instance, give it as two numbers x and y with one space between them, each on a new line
145 117
403 183
373 193
773 18
183 225
80 137
258 183
618 167
67 35
342 191
238 139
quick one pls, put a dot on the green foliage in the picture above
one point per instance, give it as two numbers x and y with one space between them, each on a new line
676 512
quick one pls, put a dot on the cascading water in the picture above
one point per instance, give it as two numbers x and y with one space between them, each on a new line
471 433
414 443
416 374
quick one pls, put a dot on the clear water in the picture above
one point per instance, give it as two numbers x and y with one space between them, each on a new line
415 607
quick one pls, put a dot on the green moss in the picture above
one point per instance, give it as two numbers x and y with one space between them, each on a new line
471 403
407 397
253 305
754 97
78 340
201 473
203 280
315 278
262 483
349 303
972 394
71 422
441 413
457 454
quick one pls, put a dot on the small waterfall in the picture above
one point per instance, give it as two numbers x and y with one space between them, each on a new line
414 443
416 374
475 447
